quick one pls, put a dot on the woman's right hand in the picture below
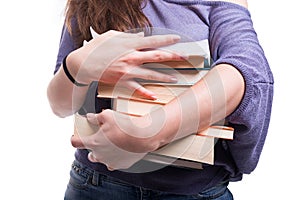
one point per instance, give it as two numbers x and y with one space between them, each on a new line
116 57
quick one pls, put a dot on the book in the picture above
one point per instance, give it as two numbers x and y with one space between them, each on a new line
187 71
195 148
218 131
190 49
197 53
167 160
135 107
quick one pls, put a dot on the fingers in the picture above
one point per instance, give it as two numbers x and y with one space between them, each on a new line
139 89
96 119
128 81
145 74
142 42
92 158
84 131
152 75
113 33
156 56
92 118
155 41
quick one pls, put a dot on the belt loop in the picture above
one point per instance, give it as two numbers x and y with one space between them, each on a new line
95 178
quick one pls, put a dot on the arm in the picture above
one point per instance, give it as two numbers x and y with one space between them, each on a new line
242 50
213 98
64 97
233 42
95 62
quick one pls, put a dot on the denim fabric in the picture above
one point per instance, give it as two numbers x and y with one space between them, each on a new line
87 184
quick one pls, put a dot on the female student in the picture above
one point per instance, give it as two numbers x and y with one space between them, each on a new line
239 88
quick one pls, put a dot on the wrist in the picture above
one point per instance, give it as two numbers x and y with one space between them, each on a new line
159 130
138 134
74 66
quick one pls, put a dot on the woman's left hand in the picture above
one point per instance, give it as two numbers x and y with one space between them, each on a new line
120 141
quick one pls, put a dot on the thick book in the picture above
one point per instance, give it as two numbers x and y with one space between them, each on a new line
195 148
187 71
136 107
167 160
191 49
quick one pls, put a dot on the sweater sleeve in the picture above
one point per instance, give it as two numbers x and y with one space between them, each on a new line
233 40
66 45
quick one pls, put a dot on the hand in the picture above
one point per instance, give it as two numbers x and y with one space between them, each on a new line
114 144
116 57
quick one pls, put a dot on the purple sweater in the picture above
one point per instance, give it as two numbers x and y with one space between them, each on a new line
232 40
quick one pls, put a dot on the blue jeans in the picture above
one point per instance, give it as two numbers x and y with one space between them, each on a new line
85 184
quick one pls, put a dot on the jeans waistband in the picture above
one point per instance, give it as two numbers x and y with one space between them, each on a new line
86 172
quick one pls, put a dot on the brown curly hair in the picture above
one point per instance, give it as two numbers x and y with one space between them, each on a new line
104 15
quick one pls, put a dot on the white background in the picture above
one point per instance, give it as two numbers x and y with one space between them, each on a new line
35 153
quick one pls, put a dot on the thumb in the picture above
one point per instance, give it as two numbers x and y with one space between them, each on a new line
83 129
96 120
93 118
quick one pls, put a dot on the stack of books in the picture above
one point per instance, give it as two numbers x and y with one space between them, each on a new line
187 72
190 151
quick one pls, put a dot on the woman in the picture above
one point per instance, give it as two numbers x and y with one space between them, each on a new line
239 88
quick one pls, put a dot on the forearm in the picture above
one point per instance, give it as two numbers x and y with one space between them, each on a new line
64 97
222 90
210 100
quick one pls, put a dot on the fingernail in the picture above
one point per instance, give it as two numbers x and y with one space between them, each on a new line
153 97
183 56
91 117
176 37
173 79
